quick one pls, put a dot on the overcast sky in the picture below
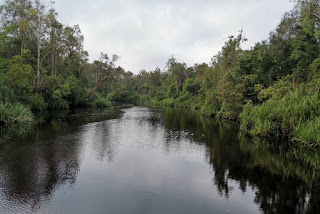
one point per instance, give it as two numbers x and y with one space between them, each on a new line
145 33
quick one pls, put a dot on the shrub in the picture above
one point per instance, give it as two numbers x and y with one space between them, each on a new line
97 100
169 102
14 114
37 102
123 96
208 110
60 104
6 94
102 102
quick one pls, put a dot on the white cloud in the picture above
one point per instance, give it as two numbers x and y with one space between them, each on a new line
145 33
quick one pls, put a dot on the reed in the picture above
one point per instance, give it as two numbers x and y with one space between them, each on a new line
295 115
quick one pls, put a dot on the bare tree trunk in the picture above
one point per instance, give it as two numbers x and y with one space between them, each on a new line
45 56
55 64
22 42
99 84
52 63
38 63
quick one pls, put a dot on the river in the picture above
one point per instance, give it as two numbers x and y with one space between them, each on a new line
152 161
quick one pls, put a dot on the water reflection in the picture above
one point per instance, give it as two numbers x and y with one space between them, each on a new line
32 168
284 180
152 161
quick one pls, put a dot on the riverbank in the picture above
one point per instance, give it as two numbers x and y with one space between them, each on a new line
294 118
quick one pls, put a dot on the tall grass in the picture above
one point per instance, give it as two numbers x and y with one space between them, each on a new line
309 132
295 115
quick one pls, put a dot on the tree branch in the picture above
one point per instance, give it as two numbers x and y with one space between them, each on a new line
316 15
107 76
45 56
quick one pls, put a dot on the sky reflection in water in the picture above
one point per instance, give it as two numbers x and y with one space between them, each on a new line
146 161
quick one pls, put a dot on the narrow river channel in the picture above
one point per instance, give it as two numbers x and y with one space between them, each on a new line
152 161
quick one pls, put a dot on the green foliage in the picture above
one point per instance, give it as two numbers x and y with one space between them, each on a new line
295 115
6 94
37 102
99 101
278 77
123 96
191 87
14 114
186 100
169 102
59 104
144 99
19 77
308 132
208 110
211 105
102 102
315 68
276 91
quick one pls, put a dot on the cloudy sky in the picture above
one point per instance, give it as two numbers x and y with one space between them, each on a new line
145 33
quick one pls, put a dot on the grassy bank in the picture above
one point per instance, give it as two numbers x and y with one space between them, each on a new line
296 116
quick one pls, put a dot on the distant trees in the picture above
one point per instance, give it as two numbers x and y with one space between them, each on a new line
43 61
284 68
44 64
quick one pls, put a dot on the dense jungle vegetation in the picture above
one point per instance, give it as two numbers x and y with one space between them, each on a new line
273 89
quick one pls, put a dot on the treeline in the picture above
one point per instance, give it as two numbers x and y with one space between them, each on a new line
43 64
273 88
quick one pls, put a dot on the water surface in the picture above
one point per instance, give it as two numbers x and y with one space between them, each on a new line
152 161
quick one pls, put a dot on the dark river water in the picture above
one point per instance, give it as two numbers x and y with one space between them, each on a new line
152 161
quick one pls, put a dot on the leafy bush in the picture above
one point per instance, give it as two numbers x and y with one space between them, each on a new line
6 94
123 96
211 105
169 102
37 102
275 92
14 114
191 87
187 101
143 99
102 102
208 110
19 77
97 100
60 104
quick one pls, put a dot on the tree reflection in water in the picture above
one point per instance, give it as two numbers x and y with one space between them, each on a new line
284 179
34 165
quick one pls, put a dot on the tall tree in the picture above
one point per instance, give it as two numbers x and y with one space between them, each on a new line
39 22
105 68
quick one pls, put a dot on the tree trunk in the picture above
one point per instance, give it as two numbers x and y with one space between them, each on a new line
52 63
38 63
99 84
